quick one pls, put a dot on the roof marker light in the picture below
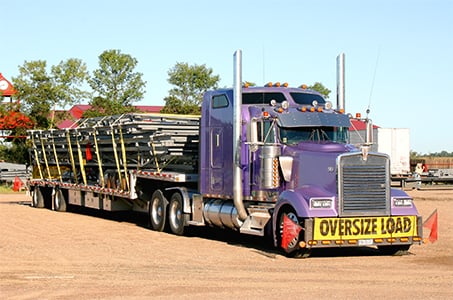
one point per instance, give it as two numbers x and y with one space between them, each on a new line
277 84
269 84
303 86
358 115
320 109
285 84
312 109
303 109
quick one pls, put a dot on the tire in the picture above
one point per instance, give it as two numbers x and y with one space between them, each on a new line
59 201
176 214
394 250
38 198
158 211
293 250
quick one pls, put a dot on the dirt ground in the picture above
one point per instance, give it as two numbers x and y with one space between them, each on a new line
86 255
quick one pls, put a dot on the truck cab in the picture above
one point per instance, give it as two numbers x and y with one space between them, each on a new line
297 164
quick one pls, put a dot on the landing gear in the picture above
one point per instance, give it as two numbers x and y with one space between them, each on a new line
293 249
157 210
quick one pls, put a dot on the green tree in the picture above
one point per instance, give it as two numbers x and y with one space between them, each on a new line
15 152
190 83
116 84
320 88
69 77
40 91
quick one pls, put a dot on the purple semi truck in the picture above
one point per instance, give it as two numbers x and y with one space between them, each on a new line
268 161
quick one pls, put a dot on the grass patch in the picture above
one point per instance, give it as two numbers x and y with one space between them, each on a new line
7 189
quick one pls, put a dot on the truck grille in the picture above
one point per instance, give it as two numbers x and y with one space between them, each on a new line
363 184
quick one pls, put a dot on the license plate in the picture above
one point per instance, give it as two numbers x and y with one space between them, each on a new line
365 242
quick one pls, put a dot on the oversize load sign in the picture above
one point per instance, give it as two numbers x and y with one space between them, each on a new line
364 228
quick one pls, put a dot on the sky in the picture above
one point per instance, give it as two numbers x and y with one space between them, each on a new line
398 54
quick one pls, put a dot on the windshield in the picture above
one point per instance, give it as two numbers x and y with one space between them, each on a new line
292 136
307 98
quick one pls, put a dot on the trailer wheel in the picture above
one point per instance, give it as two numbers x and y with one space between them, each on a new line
37 199
158 211
176 215
293 248
59 201
394 250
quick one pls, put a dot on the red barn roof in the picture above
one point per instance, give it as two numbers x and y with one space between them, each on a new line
76 113
359 125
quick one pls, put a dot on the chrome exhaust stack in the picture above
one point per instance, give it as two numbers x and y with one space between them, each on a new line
237 129
340 82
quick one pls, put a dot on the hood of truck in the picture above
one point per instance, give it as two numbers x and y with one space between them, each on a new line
314 164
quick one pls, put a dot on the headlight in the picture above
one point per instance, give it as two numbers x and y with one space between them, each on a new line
402 202
321 203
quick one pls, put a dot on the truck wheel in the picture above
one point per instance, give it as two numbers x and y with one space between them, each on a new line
59 201
394 250
293 247
37 199
176 215
158 211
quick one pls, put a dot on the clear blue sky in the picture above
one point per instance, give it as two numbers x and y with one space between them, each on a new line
399 54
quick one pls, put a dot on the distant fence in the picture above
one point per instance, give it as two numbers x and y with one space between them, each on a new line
9 176
434 162
10 171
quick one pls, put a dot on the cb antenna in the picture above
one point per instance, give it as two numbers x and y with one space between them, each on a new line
372 83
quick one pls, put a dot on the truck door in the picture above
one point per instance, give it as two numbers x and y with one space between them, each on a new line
221 148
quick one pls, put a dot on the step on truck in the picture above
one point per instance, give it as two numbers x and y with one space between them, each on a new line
268 161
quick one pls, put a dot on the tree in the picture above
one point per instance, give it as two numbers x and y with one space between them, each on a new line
320 88
40 91
116 84
190 82
69 77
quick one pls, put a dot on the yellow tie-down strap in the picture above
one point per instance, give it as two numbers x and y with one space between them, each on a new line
364 227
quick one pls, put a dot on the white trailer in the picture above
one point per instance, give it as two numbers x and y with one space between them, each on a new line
394 142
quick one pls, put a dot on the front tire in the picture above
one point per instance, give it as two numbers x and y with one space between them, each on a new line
158 211
176 214
293 249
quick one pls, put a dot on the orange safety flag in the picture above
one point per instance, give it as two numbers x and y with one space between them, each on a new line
88 154
431 223
290 231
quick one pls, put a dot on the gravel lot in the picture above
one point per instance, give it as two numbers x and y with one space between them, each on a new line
91 255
